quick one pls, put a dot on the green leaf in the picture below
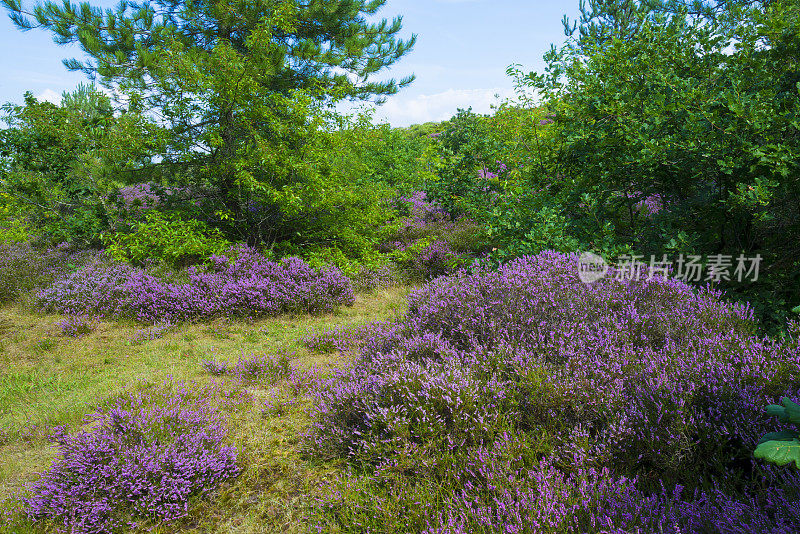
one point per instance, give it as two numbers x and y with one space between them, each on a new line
783 435
796 309
779 452
792 410
777 411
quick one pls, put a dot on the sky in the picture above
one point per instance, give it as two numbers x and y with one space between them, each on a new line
460 59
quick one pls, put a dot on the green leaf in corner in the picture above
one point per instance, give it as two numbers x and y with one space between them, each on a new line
779 452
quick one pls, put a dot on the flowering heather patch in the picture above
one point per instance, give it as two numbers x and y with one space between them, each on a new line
429 219
429 243
651 205
244 284
77 325
630 400
24 267
424 211
147 196
151 452
437 259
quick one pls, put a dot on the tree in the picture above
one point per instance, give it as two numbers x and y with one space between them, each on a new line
239 84
695 106
58 164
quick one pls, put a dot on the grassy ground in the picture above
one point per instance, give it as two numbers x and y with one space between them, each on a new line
48 379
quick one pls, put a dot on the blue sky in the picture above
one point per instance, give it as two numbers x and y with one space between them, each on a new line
463 49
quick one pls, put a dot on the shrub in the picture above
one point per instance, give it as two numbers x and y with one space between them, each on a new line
151 452
645 393
167 239
13 227
428 243
244 284
139 198
77 325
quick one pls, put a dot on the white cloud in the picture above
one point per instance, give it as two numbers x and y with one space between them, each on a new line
50 96
404 111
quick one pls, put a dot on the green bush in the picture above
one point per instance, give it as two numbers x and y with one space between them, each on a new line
13 228
167 239
698 156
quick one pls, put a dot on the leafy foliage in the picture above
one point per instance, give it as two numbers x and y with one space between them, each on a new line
60 163
240 87
657 102
168 239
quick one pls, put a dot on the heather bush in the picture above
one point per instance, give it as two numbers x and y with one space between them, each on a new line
242 283
138 199
24 267
148 454
428 242
637 404
77 325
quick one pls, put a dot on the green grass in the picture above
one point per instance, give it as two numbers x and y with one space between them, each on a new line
48 379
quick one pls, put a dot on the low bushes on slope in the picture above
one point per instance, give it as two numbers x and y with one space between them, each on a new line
243 284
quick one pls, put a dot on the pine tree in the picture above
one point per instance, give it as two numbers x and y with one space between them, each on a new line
237 83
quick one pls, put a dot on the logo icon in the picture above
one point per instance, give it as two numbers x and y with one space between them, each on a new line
591 267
